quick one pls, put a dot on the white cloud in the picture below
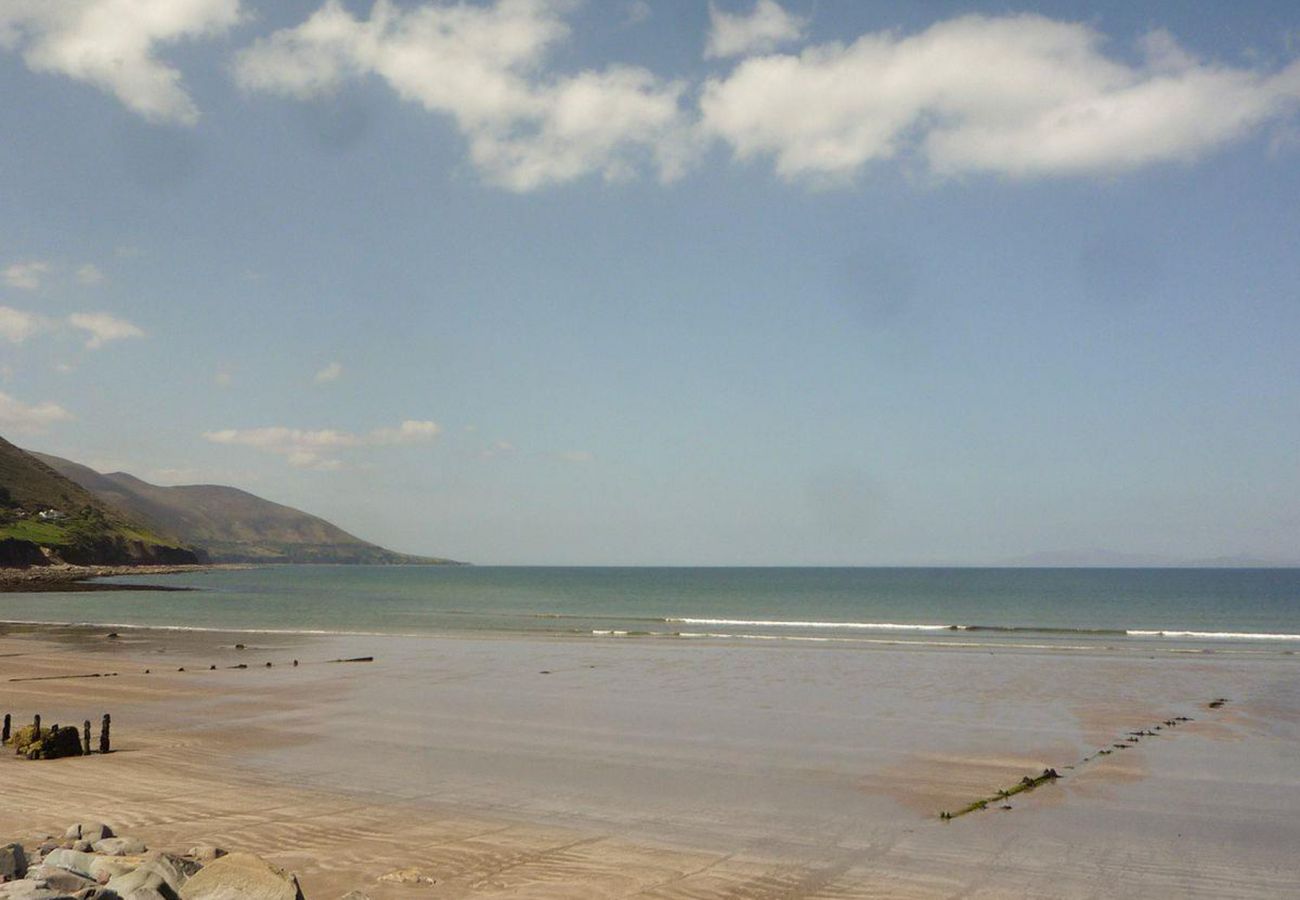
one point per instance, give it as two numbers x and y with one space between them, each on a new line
332 372
766 27
17 326
90 274
577 456
483 67
409 432
26 275
1018 95
103 328
314 449
112 44
26 418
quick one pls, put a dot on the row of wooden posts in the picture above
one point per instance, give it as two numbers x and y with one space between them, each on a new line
104 742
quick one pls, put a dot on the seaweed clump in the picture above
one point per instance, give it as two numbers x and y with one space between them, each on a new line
48 743
1026 784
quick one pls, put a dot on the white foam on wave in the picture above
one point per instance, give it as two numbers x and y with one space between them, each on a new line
981 645
784 623
1216 635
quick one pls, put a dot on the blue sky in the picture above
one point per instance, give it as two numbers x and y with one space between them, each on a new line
665 283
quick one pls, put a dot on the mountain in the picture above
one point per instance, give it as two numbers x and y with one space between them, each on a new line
1114 559
229 524
1091 558
47 517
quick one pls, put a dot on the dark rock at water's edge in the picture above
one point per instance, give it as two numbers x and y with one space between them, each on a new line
106 551
116 551
18 554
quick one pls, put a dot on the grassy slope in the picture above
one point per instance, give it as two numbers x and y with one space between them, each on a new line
33 486
232 525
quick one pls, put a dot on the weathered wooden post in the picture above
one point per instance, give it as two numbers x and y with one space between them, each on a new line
4 734
85 736
103 733
36 722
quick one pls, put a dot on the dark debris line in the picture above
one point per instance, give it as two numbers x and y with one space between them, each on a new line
1028 783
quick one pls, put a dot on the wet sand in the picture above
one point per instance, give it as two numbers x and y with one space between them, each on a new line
526 767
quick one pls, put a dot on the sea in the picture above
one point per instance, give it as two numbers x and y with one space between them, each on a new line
1174 609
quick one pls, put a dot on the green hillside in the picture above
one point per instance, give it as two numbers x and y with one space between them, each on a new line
230 525
40 506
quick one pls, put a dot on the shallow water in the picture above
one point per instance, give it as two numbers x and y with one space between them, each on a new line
1169 608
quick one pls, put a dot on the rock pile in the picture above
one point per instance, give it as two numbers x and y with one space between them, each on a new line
48 743
91 863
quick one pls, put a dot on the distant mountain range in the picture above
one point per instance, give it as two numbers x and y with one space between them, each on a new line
214 522
1114 559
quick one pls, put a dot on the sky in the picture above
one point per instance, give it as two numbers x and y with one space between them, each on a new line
552 282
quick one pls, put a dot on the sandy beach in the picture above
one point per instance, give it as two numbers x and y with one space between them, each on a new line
522 767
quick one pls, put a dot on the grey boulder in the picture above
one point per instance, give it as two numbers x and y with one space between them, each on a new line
142 884
205 853
60 879
88 831
241 876
13 862
119 846
157 875
106 867
31 890
72 860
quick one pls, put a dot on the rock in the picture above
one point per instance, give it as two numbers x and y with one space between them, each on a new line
89 831
48 846
82 846
31 890
408 876
241 876
106 867
355 895
72 860
13 862
142 884
205 853
176 869
54 743
120 846
60 879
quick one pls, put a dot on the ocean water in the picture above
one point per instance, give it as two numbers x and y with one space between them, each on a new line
1171 608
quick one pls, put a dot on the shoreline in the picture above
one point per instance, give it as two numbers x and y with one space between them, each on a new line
1116 650
71 579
